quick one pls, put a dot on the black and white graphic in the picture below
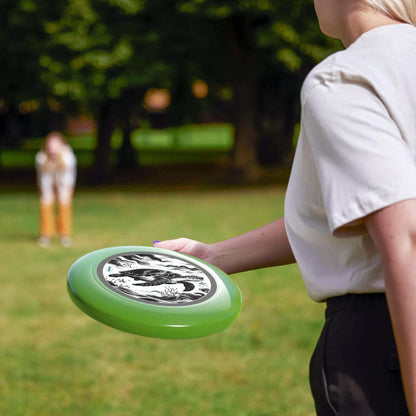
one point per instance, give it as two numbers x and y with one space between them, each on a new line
156 278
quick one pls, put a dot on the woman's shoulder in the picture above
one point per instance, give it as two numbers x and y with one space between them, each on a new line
375 59
346 65
322 74
67 155
40 157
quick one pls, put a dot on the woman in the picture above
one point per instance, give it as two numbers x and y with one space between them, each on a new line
56 173
350 211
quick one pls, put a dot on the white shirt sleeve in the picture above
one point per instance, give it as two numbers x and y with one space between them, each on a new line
66 176
363 163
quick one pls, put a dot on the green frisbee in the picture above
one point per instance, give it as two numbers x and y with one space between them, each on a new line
154 292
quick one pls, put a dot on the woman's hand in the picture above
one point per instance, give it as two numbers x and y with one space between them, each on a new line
186 246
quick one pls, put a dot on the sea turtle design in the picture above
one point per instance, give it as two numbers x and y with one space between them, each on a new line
157 279
153 277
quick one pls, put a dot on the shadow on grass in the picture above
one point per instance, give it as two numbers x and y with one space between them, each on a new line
164 178
19 237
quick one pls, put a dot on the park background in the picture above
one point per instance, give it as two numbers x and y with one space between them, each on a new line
183 116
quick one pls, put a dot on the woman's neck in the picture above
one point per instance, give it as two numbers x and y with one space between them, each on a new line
359 21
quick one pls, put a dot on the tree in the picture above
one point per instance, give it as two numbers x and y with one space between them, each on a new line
22 39
89 63
269 45
101 56
105 54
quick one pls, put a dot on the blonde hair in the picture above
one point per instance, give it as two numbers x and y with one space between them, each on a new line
402 10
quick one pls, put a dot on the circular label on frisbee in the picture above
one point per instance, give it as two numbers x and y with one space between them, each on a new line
156 278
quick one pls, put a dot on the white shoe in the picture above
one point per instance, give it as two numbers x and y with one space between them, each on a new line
44 241
66 241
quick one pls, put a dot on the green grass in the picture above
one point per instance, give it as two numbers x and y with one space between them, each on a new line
185 144
57 361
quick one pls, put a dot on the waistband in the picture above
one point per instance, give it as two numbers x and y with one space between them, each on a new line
354 301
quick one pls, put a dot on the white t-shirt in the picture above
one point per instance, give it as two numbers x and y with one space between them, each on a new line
356 154
56 178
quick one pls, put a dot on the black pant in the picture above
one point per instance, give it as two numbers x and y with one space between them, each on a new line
354 370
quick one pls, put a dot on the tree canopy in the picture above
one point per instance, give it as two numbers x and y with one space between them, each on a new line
101 56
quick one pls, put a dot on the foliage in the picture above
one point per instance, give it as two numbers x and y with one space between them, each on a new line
88 50
22 40
100 48
270 46
101 56
287 32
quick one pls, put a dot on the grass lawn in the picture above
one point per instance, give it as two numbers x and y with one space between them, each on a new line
57 361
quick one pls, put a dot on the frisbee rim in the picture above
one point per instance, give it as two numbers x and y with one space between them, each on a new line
211 315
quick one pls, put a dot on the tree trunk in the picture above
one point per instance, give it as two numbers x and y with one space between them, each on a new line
279 115
13 128
245 74
127 154
100 172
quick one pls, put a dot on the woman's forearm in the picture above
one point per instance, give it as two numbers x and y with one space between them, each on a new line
263 247
401 296
393 231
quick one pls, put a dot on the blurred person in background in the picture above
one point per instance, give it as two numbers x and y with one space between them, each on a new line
56 176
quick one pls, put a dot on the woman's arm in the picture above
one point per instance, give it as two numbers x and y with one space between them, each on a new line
263 247
393 230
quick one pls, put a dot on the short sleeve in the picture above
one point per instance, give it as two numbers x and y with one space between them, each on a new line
363 163
40 160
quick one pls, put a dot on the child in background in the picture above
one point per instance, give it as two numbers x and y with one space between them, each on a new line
56 175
